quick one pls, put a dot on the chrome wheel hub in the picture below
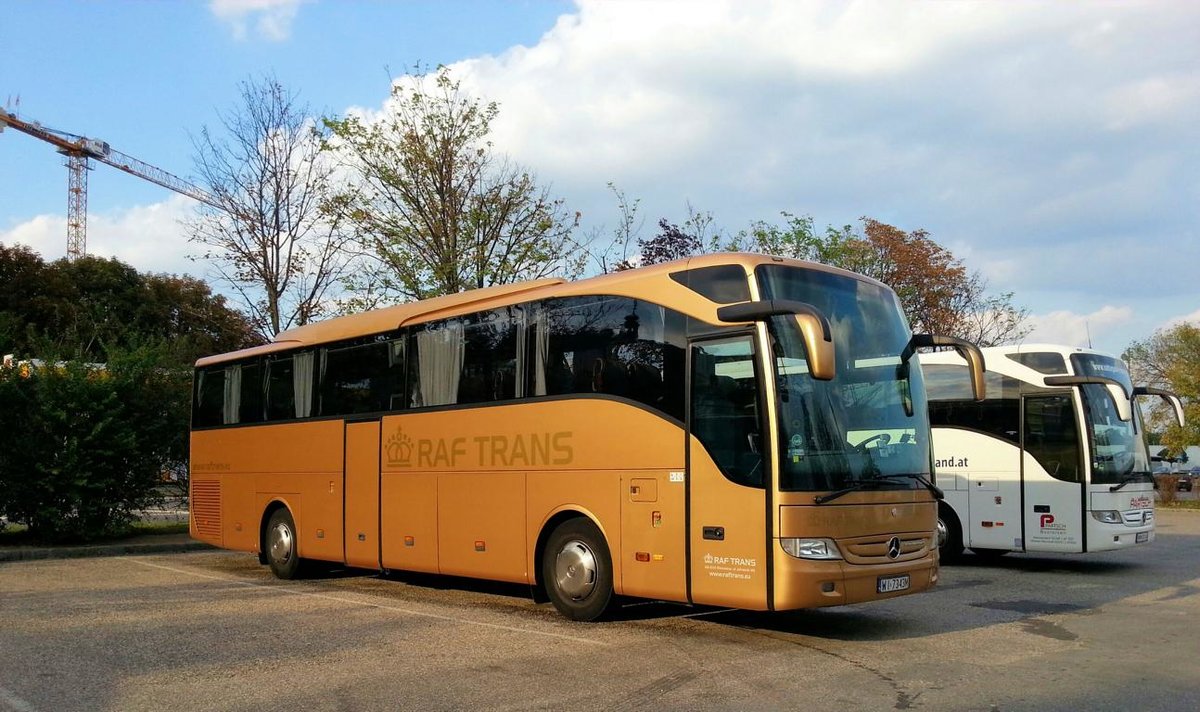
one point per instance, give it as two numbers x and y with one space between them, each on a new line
282 542
575 570
942 533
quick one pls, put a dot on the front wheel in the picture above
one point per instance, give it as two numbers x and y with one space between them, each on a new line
280 545
949 536
577 570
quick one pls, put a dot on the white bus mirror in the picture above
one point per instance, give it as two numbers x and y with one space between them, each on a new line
976 366
1169 397
1122 399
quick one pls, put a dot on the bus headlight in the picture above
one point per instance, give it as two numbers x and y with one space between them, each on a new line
824 549
1108 516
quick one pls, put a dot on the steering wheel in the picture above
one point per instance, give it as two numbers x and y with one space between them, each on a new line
884 439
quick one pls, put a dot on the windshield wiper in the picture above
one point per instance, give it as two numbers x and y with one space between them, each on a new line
937 492
858 485
1130 478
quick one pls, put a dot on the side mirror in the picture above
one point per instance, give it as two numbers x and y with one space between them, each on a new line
1121 399
814 329
969 352
1169 397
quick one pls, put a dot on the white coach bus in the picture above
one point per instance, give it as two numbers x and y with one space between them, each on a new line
1054 459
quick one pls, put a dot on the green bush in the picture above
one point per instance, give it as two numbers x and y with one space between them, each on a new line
83 447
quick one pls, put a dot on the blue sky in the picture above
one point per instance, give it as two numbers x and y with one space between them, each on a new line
1052 146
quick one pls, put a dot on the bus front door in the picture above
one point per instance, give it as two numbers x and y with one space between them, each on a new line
727 475
1051 473
361 487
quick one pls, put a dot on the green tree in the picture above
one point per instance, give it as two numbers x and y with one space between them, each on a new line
90 308
1170 359
433 208
83 447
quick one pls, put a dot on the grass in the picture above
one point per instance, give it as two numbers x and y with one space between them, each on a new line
18 534
1193 504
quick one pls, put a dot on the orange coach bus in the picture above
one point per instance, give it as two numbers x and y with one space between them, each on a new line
734 430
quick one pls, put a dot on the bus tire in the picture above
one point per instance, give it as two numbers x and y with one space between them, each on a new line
279 545
577 570
949 535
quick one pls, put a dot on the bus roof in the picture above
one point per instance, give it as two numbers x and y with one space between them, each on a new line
652 283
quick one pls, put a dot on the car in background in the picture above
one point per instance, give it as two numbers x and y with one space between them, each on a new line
1187 479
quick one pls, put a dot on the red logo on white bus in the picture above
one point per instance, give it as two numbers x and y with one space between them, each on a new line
1047 519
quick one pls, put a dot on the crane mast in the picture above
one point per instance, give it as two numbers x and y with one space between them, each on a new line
78 151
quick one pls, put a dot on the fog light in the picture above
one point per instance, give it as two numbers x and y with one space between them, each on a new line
827 587
823 549
1108 516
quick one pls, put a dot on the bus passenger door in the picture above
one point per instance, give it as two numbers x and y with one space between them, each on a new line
727 476
361 511
1051 473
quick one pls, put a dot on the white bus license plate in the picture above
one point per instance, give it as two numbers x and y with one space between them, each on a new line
1141 537
891 584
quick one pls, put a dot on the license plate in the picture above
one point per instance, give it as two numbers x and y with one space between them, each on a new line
1142 537
891 584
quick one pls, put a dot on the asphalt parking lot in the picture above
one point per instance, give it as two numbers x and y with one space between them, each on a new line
214 631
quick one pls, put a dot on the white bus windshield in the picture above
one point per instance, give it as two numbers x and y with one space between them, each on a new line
1118 448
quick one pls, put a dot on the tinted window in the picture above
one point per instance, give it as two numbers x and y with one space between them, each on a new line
366 378
281 389
612 345
250 407
1041 361
472 359
1051 435
725 416
208 405
951 403
723 284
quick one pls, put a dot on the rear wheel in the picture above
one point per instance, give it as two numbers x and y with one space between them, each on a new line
280 545
577 570
949 535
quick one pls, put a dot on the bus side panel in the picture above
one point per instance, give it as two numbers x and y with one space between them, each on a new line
255 465
481 530
989 469
595 494
362 494
653 522
409 514
729 569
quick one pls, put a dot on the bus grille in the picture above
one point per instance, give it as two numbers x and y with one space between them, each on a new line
874 549
1138 517
206 507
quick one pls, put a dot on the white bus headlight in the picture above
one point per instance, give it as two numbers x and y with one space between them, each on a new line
811 548
1108 516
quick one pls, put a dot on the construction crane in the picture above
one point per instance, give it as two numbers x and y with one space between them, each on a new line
78 150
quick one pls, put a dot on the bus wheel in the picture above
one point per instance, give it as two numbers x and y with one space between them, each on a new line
280 545
577 570
949 536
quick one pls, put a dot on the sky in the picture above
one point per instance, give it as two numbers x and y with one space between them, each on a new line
1052 146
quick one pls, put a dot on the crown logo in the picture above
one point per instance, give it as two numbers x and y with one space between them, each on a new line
399 449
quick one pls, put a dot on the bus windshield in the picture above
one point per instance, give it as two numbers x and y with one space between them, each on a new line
1118 450
870 421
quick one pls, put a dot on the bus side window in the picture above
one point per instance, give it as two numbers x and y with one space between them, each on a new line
1051 435
725 417
250 405
209 403
360 379
951 403
281 389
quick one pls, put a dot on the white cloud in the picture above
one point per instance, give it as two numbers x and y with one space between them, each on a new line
1073 329
149 237
270 19
1193 318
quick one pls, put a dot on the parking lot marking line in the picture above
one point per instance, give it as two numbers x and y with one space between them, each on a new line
396 609
10 699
